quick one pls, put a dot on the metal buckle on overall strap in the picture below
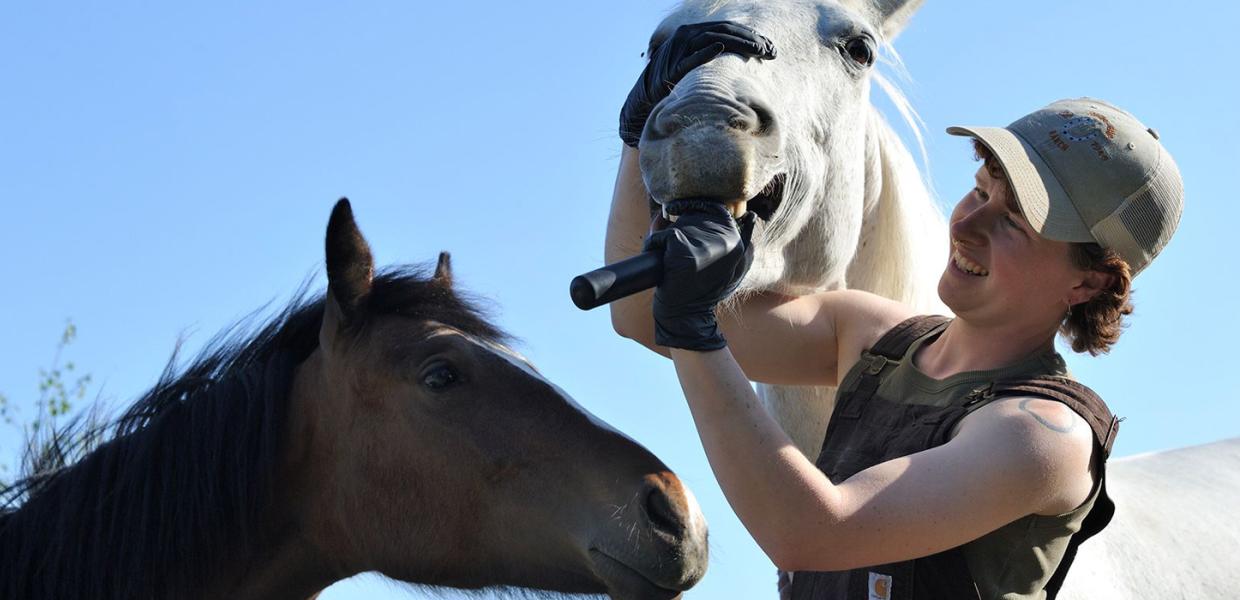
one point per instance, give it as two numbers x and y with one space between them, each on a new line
875 363
982 393
1110 436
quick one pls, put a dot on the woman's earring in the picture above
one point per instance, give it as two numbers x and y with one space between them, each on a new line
1069 309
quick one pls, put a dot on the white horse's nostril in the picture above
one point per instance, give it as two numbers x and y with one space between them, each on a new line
693 110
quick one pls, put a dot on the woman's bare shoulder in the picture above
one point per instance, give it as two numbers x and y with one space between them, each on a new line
862 318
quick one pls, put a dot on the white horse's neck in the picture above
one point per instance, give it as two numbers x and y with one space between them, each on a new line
903 234
899 255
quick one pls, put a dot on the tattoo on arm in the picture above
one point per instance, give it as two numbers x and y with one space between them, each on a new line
1061 428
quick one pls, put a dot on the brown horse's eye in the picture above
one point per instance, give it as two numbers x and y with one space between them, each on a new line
860 50
439 377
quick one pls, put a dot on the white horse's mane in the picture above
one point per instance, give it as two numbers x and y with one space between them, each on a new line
903 219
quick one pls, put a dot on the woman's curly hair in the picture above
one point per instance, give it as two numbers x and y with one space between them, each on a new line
1095 325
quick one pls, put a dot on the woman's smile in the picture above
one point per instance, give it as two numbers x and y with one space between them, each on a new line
966 265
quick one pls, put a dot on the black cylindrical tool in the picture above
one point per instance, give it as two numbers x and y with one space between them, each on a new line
617 280
636 273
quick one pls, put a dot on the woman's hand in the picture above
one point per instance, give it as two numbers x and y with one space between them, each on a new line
688 48
706 254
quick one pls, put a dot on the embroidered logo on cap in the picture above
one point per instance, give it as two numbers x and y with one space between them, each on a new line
1080 129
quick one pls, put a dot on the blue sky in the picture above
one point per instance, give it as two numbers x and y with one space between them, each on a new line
166 168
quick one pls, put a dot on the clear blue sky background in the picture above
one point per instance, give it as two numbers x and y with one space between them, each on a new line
166 168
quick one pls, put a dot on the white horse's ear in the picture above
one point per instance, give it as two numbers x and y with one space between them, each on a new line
893 15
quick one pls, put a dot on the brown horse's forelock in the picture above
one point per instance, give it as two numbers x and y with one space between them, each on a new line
176 490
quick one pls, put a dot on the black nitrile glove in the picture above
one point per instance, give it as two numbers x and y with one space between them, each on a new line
706 254
689 47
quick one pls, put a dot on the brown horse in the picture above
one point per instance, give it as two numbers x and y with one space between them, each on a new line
384 426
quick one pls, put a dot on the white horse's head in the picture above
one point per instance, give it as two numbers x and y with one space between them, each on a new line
798 139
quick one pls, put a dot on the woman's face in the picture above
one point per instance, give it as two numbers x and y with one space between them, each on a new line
998 269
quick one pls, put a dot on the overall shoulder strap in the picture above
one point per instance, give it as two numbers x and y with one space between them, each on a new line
1097 519
896 341
891 347
1105 426
1082 400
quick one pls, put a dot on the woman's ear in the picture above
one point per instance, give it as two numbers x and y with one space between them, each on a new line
1090 285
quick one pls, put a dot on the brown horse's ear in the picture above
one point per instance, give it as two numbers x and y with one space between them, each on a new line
443 270
350 267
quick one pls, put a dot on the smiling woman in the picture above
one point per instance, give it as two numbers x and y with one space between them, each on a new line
383 427
1095 325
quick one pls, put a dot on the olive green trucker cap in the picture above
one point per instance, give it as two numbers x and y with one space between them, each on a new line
1084 170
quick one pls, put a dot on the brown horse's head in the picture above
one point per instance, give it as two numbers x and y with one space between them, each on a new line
424 448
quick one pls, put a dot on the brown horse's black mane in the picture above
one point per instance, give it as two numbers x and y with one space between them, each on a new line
183 477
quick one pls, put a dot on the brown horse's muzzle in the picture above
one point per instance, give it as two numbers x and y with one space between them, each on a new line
655 546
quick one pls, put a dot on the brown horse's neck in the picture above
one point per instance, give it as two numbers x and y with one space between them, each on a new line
290 569
296 562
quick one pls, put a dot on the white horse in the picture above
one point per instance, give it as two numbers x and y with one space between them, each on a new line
845 206
843 202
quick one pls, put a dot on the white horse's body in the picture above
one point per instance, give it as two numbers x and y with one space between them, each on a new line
1174 534
855 214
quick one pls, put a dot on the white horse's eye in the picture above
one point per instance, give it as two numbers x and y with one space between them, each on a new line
861 50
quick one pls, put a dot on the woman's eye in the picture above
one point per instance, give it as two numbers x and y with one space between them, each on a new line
860 50
1011 221
440 377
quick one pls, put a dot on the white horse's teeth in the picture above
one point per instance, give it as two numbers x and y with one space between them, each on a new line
669 217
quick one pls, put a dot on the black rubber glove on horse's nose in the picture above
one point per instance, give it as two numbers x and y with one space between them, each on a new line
706 254
690 47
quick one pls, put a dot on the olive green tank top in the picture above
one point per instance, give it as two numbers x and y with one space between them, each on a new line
1016 560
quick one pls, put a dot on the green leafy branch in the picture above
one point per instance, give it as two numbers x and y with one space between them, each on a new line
60 388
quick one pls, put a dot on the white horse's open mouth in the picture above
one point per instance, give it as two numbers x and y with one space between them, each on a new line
768 200
764 205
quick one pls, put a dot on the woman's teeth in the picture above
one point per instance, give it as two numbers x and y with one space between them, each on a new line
968 266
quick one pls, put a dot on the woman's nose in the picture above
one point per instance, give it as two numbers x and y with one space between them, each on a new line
970 225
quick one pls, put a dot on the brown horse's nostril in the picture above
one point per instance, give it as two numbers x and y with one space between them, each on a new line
663 511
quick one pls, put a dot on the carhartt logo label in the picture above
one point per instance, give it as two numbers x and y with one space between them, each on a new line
880 586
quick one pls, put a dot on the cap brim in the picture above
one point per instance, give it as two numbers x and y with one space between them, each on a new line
1042 199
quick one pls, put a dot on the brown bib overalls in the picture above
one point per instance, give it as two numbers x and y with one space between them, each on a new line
866 430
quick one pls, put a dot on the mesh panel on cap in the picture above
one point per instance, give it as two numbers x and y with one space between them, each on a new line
1151 215
1111 233
1144 222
